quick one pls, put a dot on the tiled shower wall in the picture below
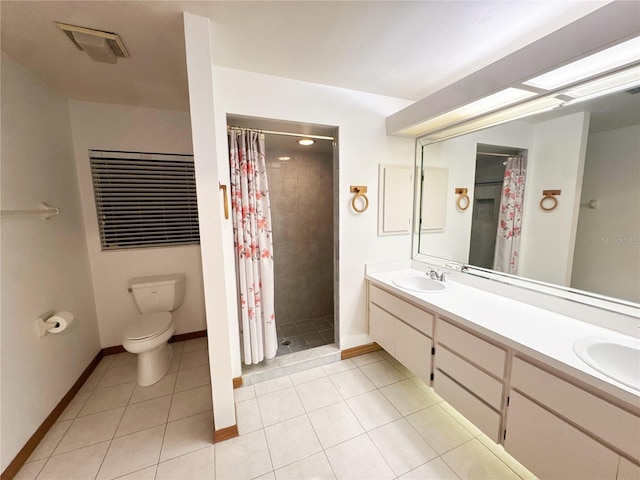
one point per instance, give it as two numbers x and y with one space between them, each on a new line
301 195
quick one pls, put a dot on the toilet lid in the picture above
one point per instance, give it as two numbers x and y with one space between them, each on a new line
147 325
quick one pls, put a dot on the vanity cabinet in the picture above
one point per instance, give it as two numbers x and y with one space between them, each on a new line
469 374
558 430
552 423
403 330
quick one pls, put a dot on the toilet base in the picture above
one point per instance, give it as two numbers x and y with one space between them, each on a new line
154 365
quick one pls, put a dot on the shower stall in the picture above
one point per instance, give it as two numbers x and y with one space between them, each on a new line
301 184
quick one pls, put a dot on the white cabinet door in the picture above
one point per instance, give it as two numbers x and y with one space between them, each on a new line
396 199
553 449
614 425
382 328
413 350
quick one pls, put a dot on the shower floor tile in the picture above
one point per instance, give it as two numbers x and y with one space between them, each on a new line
298 335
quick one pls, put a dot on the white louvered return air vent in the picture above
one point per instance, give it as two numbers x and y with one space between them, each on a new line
144 199
101 46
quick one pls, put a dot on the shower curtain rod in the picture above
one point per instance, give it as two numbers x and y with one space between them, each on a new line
287 134
496 154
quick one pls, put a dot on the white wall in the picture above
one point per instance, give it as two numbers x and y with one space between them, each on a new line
137 129
607 254
219 285
556 162
44 263
363 144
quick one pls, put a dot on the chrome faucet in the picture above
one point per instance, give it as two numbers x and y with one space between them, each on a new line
433 275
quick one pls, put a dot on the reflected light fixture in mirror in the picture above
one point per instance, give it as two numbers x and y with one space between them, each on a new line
606 60
617 82
306 141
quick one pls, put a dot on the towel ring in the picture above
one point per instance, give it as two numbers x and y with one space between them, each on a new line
360 191
463 201
549 195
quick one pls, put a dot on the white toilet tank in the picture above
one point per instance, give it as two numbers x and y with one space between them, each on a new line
163 293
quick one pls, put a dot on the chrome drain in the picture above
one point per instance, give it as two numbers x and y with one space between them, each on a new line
285 342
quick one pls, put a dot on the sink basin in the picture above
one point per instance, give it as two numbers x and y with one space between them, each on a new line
617 358
420 283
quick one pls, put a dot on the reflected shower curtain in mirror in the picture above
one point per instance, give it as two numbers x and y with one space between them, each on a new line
510 219
253 243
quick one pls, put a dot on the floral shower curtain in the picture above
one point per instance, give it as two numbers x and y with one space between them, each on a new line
510 219
252 234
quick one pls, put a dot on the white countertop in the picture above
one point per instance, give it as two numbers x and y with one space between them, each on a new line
536 332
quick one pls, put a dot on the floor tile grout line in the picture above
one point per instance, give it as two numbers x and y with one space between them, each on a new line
44 464
367 433
266 440
164 435
496 456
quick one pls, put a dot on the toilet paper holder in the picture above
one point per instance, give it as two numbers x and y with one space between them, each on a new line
51 322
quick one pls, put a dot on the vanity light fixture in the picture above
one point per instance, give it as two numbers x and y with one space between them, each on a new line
617 82
611 58
495 101
284 159
537 105
306 141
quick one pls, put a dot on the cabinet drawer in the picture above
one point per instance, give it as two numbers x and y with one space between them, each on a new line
418 319
413 350
490 357
482 416
603 419
553 449
484 386
382 328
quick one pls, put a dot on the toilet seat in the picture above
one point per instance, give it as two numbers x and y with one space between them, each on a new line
148 325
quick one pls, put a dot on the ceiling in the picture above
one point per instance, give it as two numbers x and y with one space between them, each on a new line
406 49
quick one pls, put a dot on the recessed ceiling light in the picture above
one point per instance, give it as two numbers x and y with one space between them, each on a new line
306 141
284 159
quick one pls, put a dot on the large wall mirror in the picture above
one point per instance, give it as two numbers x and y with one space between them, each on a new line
588 242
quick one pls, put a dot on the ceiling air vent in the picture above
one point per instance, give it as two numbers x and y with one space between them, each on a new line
101 46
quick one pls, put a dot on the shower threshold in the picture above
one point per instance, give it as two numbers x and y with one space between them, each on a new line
291 363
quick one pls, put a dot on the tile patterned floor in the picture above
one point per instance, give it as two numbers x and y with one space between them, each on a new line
304 334
367 417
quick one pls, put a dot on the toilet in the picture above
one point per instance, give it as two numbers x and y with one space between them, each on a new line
148 335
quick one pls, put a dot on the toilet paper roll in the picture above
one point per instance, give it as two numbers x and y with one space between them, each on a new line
60 322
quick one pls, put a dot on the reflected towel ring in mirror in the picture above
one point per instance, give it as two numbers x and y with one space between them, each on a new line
550 195
360 191
463 199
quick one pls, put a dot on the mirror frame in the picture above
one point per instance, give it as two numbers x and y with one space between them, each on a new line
593 299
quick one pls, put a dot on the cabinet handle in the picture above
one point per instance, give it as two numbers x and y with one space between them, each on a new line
225 201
